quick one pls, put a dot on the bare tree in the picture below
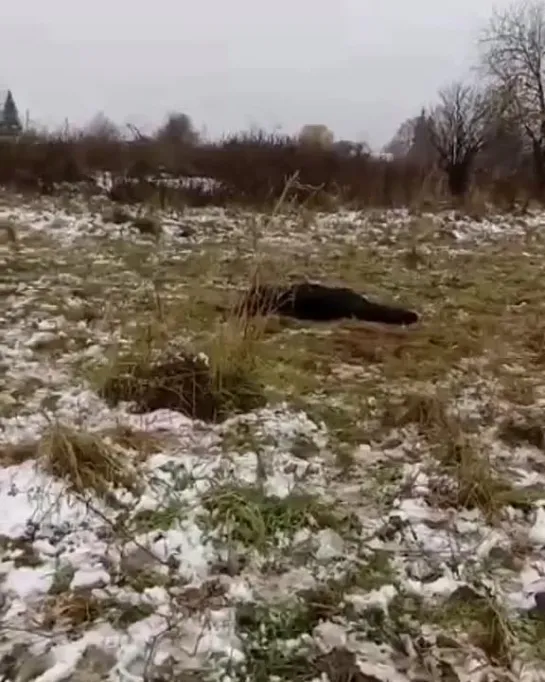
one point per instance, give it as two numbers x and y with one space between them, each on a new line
459 127
316 135
513 57
101 127
412 141
401 143
178 129
138 136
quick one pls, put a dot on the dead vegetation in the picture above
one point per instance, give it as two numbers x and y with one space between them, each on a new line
370 385
140 442
184 384
246 170
84 461
70 610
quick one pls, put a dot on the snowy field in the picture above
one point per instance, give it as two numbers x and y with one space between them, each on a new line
353 504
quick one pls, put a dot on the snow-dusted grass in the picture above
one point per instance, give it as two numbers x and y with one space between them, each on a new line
184 495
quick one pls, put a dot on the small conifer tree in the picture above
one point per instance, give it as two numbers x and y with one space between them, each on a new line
11 121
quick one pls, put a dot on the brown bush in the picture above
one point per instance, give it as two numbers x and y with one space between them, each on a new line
249 170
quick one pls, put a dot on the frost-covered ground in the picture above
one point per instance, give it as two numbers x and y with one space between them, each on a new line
380 513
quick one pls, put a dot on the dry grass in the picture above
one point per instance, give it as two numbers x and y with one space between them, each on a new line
470 304
225 373
84 461
74 611
467 478
399 390
428 412
199 388
142 443
463 474
477 614
250 170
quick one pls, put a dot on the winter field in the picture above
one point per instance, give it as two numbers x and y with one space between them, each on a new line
302 502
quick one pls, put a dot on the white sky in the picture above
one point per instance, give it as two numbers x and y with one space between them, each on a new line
359 66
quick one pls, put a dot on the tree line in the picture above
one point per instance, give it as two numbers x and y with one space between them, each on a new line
496 121
492 123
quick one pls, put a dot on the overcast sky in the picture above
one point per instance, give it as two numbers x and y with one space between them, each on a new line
359 66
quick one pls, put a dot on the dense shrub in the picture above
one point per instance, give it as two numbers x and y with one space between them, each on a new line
248 169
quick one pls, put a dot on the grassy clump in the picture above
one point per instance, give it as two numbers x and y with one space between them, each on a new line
328 601
265 632
274 648
466 477
475 614
81 609
140 442
530 628
76 609
181 383
470 615
249 516
427 412
159 519
277 640
463 476
83 460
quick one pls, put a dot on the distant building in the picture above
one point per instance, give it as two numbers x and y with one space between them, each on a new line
10 123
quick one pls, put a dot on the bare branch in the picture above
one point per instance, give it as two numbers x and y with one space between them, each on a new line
462 122
460 126
513 57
